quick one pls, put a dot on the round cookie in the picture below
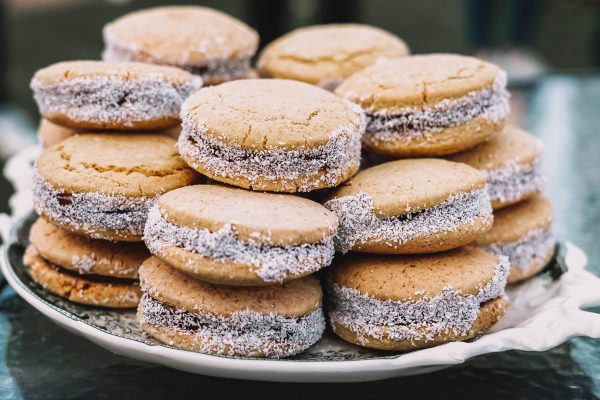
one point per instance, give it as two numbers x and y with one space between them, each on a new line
87 256
429 105
201 40
268 321
411 206
512 161
94 291
416 301
106 95
235 237
50 133
102 185
272 135
522 232
325 55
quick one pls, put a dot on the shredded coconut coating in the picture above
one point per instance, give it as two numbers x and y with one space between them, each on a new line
91 212
335 158
113 100
412 122
244 333
514 181
217 69
271 263
424 319
358 222
523 253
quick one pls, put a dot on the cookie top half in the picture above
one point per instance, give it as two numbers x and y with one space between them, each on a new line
127 71
267 114
414 277
132 165
514 222
511 145
418 81
317 53
409 186
272 219
182 35
177 289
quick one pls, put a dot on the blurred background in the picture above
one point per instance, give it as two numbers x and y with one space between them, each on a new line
529 38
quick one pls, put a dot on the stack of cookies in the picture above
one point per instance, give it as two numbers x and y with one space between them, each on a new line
421 241
107 159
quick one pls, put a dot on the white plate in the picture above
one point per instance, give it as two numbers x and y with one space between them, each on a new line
543 314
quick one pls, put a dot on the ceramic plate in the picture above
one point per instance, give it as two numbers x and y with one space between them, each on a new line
544 312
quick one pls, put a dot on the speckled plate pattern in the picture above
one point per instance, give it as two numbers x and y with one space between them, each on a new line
544 312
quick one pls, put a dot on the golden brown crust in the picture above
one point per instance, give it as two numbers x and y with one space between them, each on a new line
517 274
413 277
490 313
417 81
463 234
319 53
511 145
186 36
79 289
130 125
515 222
92 256
273 219
116 164
408 186
177 289
446 141
264 114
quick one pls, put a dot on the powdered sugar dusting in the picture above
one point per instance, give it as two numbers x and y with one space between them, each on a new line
424 319
114 100
91 212
271 263
244 333
523 253
333 159
514 181
412 122
84 264
358 222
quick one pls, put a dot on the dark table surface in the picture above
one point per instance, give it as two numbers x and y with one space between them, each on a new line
39 360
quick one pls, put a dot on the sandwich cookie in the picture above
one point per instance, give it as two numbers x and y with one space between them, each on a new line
82 270
411 206
201 40
512 161
272 135
522 232
102 185
416 301
50 133
103 95
429 105
269 321
236 237
325 55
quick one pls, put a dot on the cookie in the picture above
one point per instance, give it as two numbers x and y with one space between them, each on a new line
106 95
411 206
89 290
201 40
271 135
512 161
267 321
84 255
50 134
429 105
235 237
325 55
416 301
522 232
102 185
